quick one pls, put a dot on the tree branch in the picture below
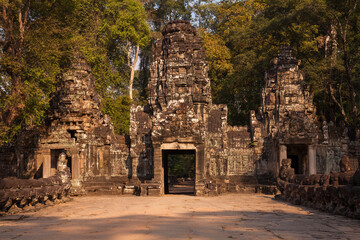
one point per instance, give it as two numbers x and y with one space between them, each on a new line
331 93
131 82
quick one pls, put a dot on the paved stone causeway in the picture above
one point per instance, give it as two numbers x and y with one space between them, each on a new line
240 216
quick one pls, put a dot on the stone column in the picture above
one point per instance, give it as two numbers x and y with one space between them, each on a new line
75 164
312 159
46 163
200 170
282 155
158 165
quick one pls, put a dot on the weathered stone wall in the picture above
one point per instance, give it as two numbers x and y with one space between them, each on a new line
241 154
216 142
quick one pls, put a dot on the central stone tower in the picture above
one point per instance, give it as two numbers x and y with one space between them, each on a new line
180 116
179 86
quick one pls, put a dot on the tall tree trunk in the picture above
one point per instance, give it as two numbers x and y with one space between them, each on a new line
347 62
330 89
12 47
131 82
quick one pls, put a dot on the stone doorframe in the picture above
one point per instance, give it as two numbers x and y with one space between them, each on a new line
46 160
311 154
199 163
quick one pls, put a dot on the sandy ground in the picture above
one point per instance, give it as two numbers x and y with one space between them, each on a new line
178 217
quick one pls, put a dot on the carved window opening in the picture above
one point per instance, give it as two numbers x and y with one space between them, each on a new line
72 134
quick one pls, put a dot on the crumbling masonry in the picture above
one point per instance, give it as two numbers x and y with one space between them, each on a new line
180 116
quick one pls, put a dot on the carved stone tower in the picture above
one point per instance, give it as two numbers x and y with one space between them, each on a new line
288 113
180 116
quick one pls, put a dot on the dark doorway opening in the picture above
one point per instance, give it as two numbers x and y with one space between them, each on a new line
295 163
179 171
298 155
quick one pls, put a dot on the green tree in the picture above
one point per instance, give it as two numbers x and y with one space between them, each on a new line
125 21
110 36
34 50
38 40
160 12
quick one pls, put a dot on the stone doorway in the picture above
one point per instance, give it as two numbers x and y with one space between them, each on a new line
179 171
298 155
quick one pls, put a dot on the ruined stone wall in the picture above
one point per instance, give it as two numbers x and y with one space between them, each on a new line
241 153
74 126
29 194
333 144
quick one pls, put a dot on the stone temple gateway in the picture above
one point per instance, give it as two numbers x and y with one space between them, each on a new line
180 117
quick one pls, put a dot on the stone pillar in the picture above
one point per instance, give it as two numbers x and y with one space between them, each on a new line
312 159
46 163
158 165
200 170
75 164
282 155
134 164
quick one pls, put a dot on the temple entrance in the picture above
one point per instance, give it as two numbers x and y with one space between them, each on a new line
179 171
298 156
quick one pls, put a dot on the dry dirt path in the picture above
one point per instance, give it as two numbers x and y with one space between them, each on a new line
178 217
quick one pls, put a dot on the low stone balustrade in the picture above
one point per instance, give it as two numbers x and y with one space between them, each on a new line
27 194
337 192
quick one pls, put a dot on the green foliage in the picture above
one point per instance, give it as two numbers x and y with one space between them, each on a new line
31 60
125 20
161 12
219 58
119 111
39 38
252 32
182 165
104 40
53 32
